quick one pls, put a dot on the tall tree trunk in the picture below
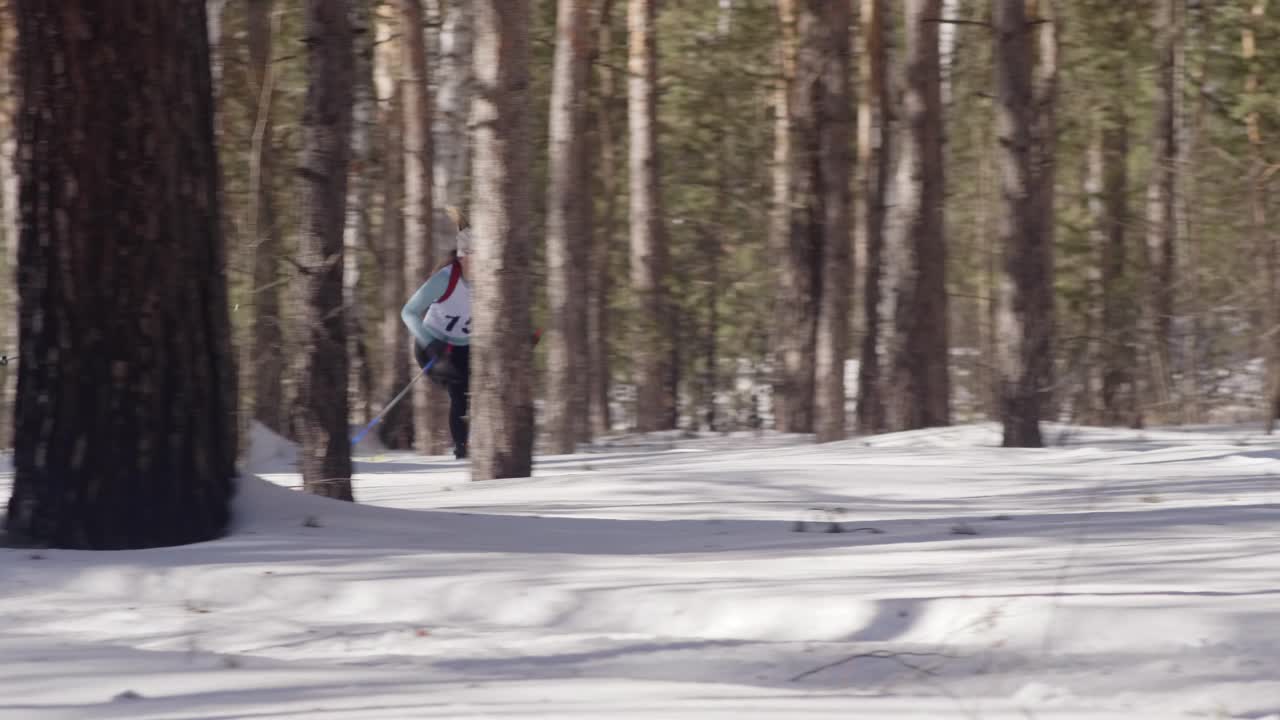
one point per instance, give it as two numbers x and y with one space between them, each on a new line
874 146
1028 353
921 384
568 241
359 225
1109 160
325 457
452 148
8 224
264 366
125 419
797 240
420 257
1045 92
396 430
1190 256
1261 243
652 341
605 132
502 405
1162 221
833 106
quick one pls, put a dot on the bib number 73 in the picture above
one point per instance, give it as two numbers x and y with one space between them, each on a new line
453 322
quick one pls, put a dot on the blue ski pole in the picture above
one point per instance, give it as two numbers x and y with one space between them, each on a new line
373 423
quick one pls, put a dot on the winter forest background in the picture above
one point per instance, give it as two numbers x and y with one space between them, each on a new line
818 217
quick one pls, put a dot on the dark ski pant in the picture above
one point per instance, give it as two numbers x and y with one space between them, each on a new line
452 370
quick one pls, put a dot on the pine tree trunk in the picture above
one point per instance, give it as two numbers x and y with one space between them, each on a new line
125 420
1044 137
1109 167
359 225
833 107
452 148
604 155
1260 241
396 430
325 456
874 146
264 367
653 332
1162 223
420 256
798 232
1027 356
502 395
921 384
568 240
8 225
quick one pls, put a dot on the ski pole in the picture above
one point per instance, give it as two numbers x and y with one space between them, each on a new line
373 423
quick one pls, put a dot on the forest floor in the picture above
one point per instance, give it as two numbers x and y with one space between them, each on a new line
1117 574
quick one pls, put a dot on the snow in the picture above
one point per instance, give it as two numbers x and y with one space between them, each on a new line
1119 574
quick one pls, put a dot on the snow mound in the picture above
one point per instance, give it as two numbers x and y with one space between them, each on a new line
269 451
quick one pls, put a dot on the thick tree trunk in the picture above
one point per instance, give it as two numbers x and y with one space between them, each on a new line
396 430
1027 356
652 339
452 147
125 418
420 253
568 239
502 399
797 240
605 157
874 146
325 457
359 225
833 106
264 367
921 384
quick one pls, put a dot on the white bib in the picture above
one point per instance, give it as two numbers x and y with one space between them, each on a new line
450 318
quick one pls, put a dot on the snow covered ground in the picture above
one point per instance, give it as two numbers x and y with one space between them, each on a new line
1119 575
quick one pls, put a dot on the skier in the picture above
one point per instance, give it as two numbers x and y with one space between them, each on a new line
439 318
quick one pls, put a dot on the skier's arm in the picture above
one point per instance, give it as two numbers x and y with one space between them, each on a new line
414 312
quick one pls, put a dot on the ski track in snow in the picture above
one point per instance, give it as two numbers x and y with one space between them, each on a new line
1119 574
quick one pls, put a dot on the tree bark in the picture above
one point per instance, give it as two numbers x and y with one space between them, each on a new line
568 239
452 148
502 398
359 226
1109 165
396 430
604 157
420 252
1027 356
1262 244
797 240
652 340
125 417
833 106
265 365
921 384
8 224
1162 221
874 147
325 457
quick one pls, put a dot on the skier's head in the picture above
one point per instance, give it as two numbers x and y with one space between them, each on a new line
463 240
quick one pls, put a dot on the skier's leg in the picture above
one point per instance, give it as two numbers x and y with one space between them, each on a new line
460 401
458 418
